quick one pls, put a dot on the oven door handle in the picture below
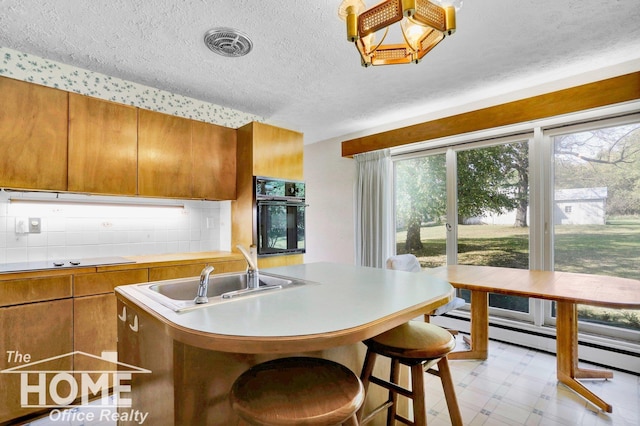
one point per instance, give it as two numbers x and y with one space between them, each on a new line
282 203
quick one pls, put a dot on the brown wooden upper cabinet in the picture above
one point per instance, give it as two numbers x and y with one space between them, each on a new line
182 158
214 161
277 152
103 146
33 136
164 155
53 140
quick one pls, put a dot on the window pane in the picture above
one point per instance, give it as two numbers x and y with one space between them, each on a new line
421 198
493 202
597 210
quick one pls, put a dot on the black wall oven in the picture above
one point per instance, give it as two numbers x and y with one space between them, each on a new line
280 216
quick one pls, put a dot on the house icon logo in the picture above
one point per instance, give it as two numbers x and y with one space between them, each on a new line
44 384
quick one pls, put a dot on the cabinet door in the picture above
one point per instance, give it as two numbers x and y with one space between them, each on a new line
33 136
277 152
94 313
95 325
214 153
41 330
143 343
103 138
164 155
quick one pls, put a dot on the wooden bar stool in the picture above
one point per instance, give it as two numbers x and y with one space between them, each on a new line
297 391
419 346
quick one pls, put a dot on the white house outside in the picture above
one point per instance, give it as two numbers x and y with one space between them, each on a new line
576 206
580 206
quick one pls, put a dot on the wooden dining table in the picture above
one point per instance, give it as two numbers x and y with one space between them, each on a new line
565 288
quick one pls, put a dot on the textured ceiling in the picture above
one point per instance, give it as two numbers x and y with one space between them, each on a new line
303 74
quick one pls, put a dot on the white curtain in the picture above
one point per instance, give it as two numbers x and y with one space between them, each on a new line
374 230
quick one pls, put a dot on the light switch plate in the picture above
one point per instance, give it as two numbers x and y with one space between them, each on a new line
22 225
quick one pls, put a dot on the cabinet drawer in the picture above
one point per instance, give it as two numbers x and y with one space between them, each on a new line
16 292
193 270
105 282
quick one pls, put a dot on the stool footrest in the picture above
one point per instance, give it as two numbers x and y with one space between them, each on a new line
404 420
371 415
433 372
391 386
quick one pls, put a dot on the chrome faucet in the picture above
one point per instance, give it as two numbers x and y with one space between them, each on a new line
204 284
253 277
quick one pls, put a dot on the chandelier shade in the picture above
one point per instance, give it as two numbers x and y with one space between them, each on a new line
423 25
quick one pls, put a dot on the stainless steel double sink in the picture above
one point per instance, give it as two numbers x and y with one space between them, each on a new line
179 294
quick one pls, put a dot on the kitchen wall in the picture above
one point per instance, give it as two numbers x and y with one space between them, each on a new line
330 216
88 230
83 231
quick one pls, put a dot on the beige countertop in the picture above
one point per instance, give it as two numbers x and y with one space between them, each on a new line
138 262
342 304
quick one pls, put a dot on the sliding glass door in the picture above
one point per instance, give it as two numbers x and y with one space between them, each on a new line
467 205
564 197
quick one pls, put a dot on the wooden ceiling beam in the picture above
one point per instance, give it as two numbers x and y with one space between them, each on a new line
579 98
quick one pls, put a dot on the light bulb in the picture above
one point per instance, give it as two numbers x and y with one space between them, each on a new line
457 4
413 32
358 7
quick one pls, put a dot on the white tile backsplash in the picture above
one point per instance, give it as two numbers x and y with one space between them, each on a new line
97 231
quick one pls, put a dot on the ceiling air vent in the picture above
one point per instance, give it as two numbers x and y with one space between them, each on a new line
228 42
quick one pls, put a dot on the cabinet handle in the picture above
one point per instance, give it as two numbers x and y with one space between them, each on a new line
134 327
123 316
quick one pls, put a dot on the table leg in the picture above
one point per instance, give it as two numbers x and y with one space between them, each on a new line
479 328
567 356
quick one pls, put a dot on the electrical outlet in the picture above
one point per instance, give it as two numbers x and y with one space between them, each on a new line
35 225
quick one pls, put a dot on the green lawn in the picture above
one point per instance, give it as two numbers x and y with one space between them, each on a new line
611 249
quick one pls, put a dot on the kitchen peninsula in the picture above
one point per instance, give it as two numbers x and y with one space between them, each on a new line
194 356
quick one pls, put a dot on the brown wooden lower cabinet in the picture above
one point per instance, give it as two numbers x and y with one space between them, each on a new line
94 326
152 350
94 313
83 323
40 331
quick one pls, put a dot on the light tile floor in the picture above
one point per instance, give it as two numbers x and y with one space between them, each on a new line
518 386
514 386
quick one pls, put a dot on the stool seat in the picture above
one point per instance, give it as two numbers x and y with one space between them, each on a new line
297 391
413 340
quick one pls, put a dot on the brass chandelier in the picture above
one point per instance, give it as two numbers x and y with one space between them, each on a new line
423 25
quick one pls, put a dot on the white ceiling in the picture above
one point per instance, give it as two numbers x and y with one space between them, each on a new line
303 74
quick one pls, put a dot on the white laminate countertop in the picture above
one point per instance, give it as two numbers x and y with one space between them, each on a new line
339 297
